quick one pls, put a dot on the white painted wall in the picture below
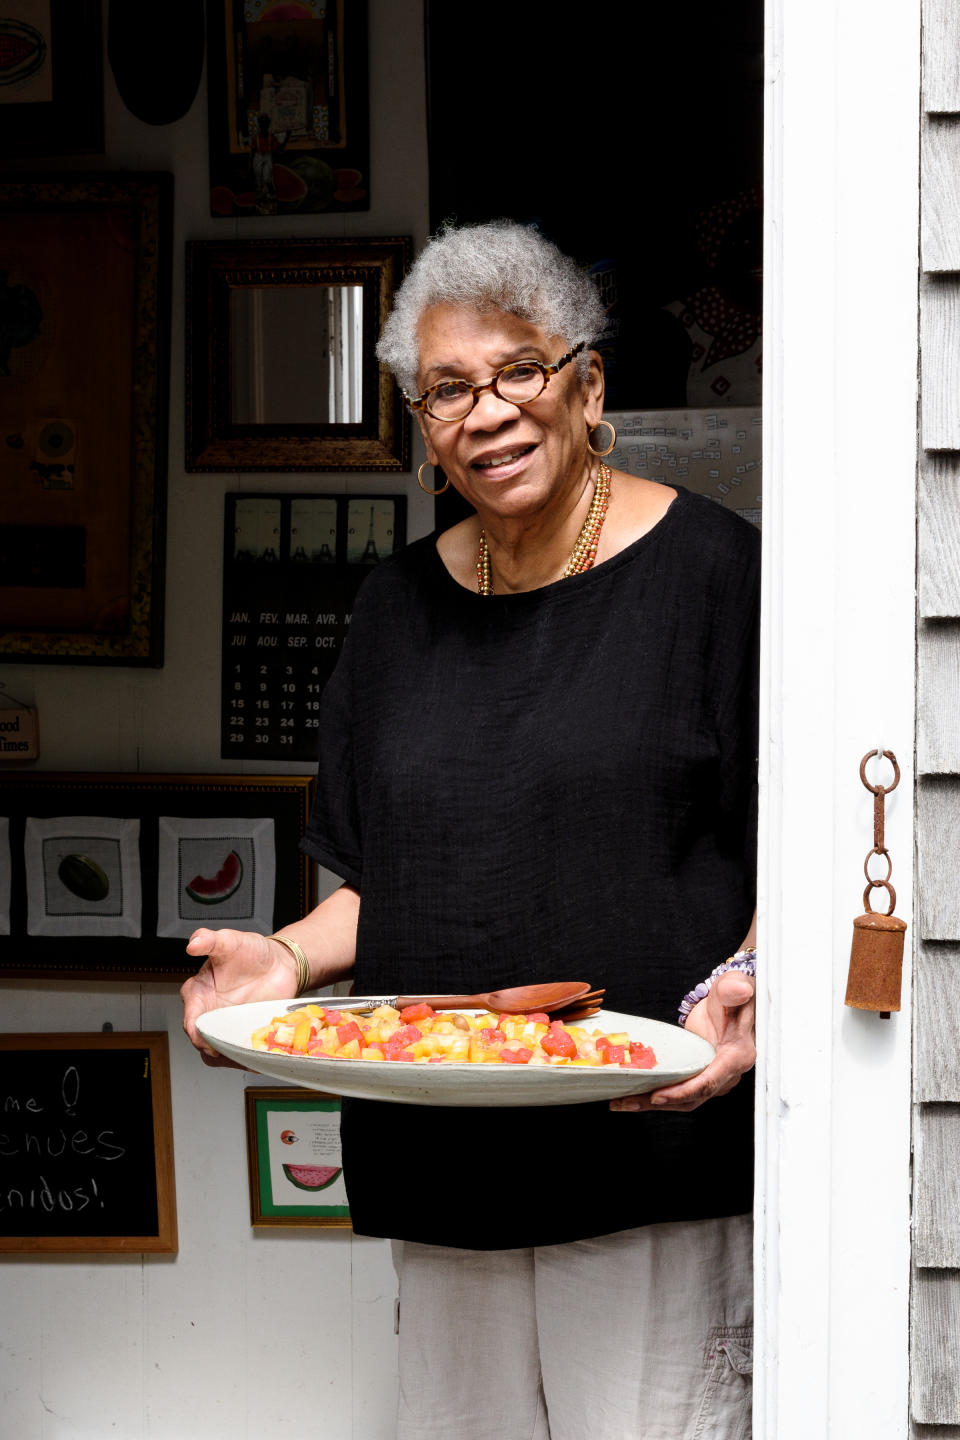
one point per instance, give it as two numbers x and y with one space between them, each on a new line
840 431
243 1333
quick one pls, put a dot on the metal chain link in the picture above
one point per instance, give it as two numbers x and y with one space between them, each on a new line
879 793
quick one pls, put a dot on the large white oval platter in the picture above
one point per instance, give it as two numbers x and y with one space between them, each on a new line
679 1053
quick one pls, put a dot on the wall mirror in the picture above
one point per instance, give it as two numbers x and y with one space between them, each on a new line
281 370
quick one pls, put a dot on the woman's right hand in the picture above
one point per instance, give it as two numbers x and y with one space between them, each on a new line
240 966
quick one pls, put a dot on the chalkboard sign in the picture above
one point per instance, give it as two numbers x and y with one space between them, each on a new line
86 1143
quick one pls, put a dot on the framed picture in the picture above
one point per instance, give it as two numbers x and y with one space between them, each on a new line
84 356
107 876
288 107
51 77
281 369
293 1158
292 566
87 1144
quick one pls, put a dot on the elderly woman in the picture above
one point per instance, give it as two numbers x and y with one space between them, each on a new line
538 762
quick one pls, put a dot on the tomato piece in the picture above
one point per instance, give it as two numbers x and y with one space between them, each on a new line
539 1018
641 1056
558 1042
519 1056
490 1035
406 1035
348 1032
333 1017
417 1012
396 1053
614 1054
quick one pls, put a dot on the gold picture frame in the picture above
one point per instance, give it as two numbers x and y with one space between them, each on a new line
85 284
224 282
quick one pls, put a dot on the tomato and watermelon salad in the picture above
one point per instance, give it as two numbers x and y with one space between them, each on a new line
421 1035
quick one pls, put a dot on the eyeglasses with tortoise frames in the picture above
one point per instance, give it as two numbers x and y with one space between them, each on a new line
517 383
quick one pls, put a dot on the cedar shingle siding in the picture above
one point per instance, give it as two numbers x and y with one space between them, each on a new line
935 1310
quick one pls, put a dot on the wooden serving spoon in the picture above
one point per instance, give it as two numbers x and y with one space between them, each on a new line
515 1000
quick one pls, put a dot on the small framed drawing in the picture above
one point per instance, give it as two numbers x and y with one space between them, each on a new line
293 1158
107 876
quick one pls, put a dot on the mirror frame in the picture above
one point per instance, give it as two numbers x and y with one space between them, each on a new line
381 441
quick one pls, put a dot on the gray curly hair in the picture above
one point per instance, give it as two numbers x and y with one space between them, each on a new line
497 266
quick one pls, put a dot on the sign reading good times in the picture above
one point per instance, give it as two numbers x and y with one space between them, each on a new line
18 734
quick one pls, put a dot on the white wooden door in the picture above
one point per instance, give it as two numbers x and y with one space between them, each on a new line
833 1225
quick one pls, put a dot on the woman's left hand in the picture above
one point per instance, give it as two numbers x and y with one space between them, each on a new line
727 1018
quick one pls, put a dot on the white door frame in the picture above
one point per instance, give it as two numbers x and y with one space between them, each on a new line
833 1114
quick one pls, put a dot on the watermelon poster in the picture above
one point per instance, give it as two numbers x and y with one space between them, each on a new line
296 1170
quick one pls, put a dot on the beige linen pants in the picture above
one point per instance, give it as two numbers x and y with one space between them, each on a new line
642 1335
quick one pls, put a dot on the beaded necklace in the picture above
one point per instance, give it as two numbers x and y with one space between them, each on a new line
584 553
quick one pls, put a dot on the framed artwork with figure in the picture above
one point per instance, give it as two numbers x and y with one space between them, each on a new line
288 106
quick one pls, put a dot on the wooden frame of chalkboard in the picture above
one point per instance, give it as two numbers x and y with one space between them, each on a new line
86 1144
106 876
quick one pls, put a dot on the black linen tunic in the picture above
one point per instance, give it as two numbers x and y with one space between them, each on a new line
553 785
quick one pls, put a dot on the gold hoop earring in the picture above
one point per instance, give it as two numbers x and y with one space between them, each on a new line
613 438
425 488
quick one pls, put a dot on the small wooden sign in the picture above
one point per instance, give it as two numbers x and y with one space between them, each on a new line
19 734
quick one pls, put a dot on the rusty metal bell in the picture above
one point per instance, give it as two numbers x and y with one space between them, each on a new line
876 962
876 955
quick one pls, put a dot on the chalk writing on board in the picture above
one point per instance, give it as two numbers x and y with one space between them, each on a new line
76 1143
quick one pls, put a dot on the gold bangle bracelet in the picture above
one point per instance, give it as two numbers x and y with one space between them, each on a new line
303 967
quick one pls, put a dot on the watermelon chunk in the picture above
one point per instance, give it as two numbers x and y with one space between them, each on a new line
312 1177
214 891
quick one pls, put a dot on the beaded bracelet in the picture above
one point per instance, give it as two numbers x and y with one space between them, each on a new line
745 961
303 967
